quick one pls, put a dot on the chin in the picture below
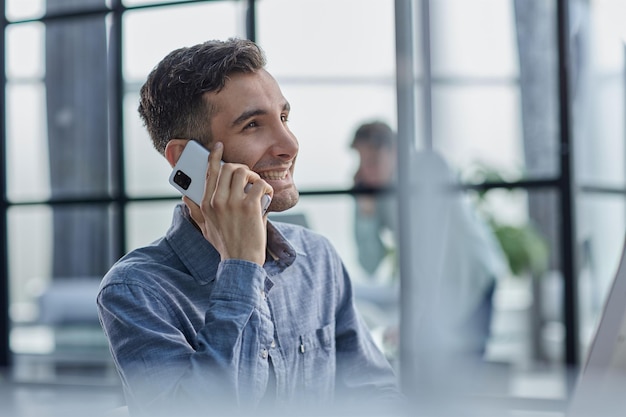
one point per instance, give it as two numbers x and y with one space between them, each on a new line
284 200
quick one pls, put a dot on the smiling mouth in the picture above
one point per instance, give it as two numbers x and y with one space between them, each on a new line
274 175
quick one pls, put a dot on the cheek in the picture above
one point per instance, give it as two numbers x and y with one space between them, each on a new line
247 155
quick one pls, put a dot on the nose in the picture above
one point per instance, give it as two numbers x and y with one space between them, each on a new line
285 143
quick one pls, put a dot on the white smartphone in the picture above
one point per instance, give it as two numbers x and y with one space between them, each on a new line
189 173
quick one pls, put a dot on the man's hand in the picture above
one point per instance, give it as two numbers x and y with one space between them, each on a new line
229 217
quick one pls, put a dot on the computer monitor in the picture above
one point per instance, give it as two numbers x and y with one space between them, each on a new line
601 387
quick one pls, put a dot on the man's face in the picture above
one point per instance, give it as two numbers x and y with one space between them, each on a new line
250 119
376 165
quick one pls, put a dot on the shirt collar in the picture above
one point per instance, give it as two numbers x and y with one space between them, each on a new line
202 259
278 247
195 252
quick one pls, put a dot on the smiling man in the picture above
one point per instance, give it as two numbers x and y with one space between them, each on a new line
229 310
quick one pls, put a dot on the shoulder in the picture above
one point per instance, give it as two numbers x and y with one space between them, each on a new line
302 237
143 266
314 252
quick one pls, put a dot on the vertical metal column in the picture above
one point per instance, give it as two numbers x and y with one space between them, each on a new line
251 20
568 237
116 127
5 325
427 95
405 86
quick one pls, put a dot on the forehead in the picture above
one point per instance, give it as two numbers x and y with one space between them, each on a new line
243 91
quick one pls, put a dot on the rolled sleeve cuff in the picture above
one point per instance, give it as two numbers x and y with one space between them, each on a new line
240 280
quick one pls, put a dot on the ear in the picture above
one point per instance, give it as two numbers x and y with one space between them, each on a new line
173 150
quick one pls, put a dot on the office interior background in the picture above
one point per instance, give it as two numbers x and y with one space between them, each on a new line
524 99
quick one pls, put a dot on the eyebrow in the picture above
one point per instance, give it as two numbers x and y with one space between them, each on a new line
256 112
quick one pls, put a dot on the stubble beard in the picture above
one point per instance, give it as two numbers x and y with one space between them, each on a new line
284 200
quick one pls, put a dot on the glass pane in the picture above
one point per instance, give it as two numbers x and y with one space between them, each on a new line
147 222
27 160
599 125
473 38
528 303
53 283
30 259
25 51
147 171
601 149
355 40
73 242
486 133
607 33
146 42
24 9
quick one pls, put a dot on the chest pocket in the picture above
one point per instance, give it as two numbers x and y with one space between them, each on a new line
316 357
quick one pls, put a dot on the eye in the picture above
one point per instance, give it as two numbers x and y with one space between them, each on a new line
251 125
284 118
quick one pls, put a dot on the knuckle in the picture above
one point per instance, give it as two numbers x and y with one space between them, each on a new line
205 206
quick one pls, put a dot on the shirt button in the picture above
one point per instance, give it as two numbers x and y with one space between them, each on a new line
264 354
263 294
273 344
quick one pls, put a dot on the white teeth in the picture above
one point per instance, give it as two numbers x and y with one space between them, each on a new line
274 175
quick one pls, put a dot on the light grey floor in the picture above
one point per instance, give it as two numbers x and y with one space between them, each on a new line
37 400
94 392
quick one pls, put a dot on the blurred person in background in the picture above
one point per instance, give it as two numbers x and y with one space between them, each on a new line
375 213
469 259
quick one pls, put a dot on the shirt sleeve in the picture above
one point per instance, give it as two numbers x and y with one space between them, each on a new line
162 370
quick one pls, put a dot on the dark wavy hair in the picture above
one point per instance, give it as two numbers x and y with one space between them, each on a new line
172 103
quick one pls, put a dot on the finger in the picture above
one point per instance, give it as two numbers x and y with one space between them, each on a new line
213 171
258 187
259 192
250 182
242 179
194 210
223 191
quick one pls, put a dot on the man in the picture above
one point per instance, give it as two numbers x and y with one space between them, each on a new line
375 216
228 309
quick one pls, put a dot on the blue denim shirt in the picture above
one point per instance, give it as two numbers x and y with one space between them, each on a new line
186 329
